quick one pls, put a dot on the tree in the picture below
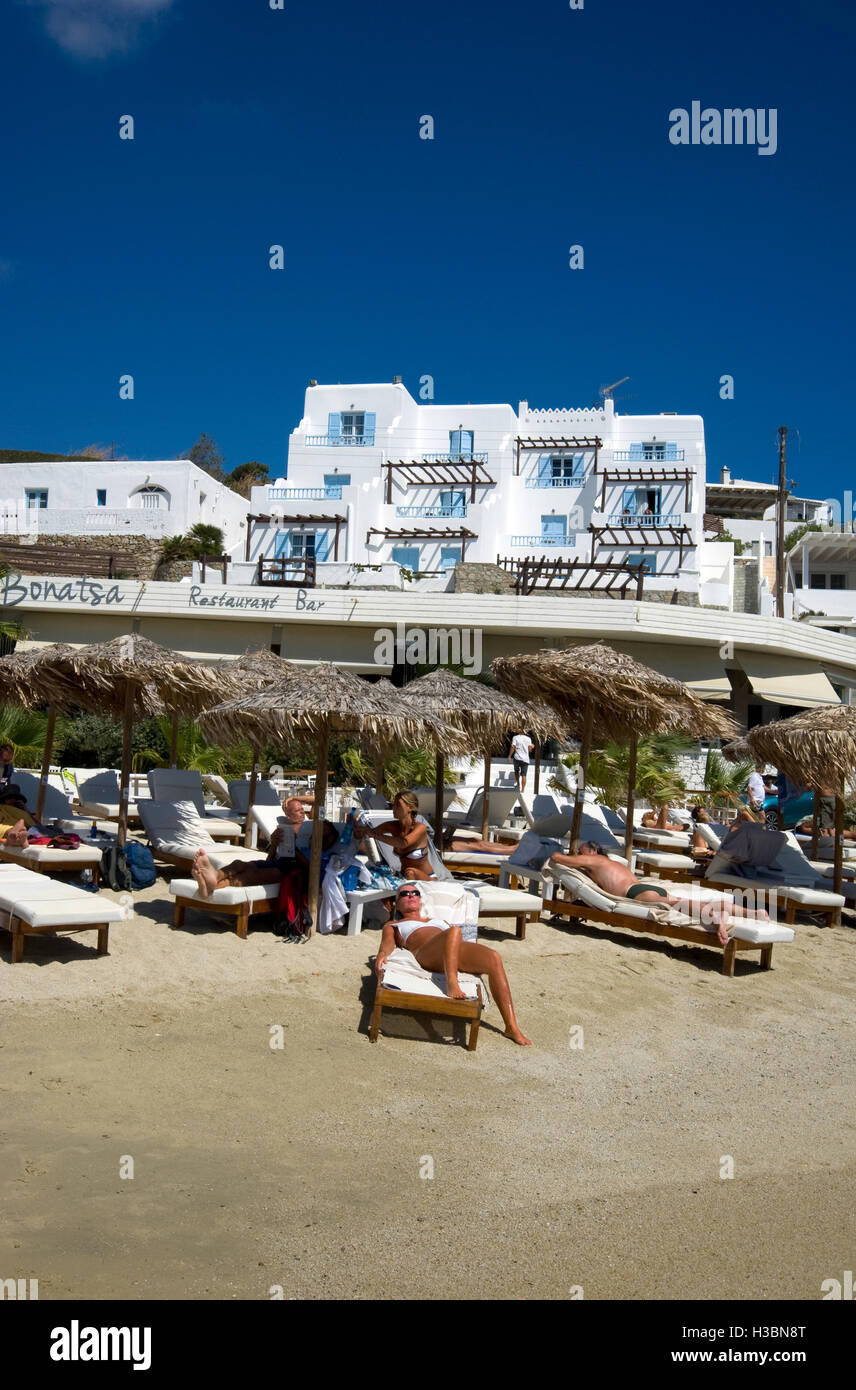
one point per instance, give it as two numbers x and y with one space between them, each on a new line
798 532
207 456
205 540
247 476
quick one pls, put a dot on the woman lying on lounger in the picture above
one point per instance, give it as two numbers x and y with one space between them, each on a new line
408 836
615 877
438 946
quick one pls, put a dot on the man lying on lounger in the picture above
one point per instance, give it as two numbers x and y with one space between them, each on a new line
615 877
659 820
242 873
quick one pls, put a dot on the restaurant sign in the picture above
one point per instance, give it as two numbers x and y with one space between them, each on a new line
94 593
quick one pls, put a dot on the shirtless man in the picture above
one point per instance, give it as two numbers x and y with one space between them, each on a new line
617 878
653 820
438 946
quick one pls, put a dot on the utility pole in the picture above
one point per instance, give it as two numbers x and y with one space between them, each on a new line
781 498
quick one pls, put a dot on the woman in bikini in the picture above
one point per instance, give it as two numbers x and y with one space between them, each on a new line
437 946
408 837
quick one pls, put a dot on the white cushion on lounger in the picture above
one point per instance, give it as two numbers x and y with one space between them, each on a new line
501 902
43 854
461 856
81 825
809 897
186 888
658 859
709 836
179 823
66 911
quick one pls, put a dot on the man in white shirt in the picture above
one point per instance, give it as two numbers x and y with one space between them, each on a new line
521 747
757 791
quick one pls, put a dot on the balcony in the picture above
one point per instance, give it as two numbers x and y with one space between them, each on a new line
631 521
556 482
468 457
333 441
459 509
544 542
304 494
637 454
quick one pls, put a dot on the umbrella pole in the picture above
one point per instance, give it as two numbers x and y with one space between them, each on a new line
438 802
582 776
838 854
318 829
125 778
378 776
815 823
46 763
536 784
631 797
251 800
173 740
486 796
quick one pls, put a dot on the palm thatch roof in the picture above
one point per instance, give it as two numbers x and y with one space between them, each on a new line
628 698
326 699
485 716
20 675
738 751
816 748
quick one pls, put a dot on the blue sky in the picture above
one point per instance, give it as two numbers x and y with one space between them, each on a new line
407 256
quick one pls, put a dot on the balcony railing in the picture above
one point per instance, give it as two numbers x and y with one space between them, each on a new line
552 542
333 440
459 509
467 457
631 520
555 482
305 494
636 454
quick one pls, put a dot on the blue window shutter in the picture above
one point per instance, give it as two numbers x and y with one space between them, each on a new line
671 452
322 545
579 468
554 527
282 545
334 425
545 468
369 425
635 453
454 441
449 556
629 503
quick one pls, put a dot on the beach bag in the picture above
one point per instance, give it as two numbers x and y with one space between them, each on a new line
141 865
115 871
69 841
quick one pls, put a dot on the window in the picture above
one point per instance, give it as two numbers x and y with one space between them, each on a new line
37 497
152 498
101 497
406 555
653 451
563 466
768 547
454 503
337 480
554 530
837 581
449 556
648 562
461 443
818 581
349 427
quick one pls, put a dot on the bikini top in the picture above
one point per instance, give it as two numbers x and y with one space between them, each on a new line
405 929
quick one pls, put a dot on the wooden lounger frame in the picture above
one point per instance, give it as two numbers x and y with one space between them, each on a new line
242 912
792 907
561 907
426 1004
19 929
44 866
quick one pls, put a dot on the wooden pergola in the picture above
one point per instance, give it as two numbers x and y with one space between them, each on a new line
559 443
294 520
469 472
540 572
646 475
671 537
426 533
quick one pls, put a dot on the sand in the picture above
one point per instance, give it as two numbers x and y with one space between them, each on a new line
305 1169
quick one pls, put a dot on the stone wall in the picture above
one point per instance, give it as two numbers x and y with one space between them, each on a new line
136 556
477 578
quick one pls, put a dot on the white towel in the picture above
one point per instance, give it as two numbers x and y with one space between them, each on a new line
403 971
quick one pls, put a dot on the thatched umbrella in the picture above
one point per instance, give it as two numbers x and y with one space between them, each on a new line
737 751
322 700
817 749
485 717
598 688
20 678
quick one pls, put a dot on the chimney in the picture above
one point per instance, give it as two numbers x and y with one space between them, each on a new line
725 476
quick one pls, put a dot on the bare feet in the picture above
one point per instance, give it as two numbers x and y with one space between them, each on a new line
16 835
204 873
516 1036
453 990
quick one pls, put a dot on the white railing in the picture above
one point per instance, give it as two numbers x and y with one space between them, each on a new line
114 521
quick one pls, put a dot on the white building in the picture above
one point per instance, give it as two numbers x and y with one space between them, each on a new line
375 478
111 497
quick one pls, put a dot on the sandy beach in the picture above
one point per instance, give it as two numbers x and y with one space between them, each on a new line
555 1169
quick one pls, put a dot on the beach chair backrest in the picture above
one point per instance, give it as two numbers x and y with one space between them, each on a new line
613 820
264 818
709 835
451 902
543 805
173 822
98 786
177 784
594 827
427 797
57 806
370 800
500 803
239 795
217 786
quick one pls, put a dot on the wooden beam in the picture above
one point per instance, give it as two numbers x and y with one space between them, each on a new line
582 775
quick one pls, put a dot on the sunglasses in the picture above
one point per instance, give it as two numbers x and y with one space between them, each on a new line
409 893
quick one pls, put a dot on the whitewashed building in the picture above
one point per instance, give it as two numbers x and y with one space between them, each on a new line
108 497
375 478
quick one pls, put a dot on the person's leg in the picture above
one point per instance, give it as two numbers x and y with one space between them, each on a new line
478 960
237 874
445 946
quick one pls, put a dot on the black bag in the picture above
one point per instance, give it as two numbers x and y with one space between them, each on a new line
115 871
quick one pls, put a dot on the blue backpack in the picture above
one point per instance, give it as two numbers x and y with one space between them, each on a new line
141 864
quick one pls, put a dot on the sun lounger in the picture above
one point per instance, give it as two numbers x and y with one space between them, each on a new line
501 802
175 832
41 859
594 827
33 906
177 784
98 795
812 896
406 986
266 794
586 902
